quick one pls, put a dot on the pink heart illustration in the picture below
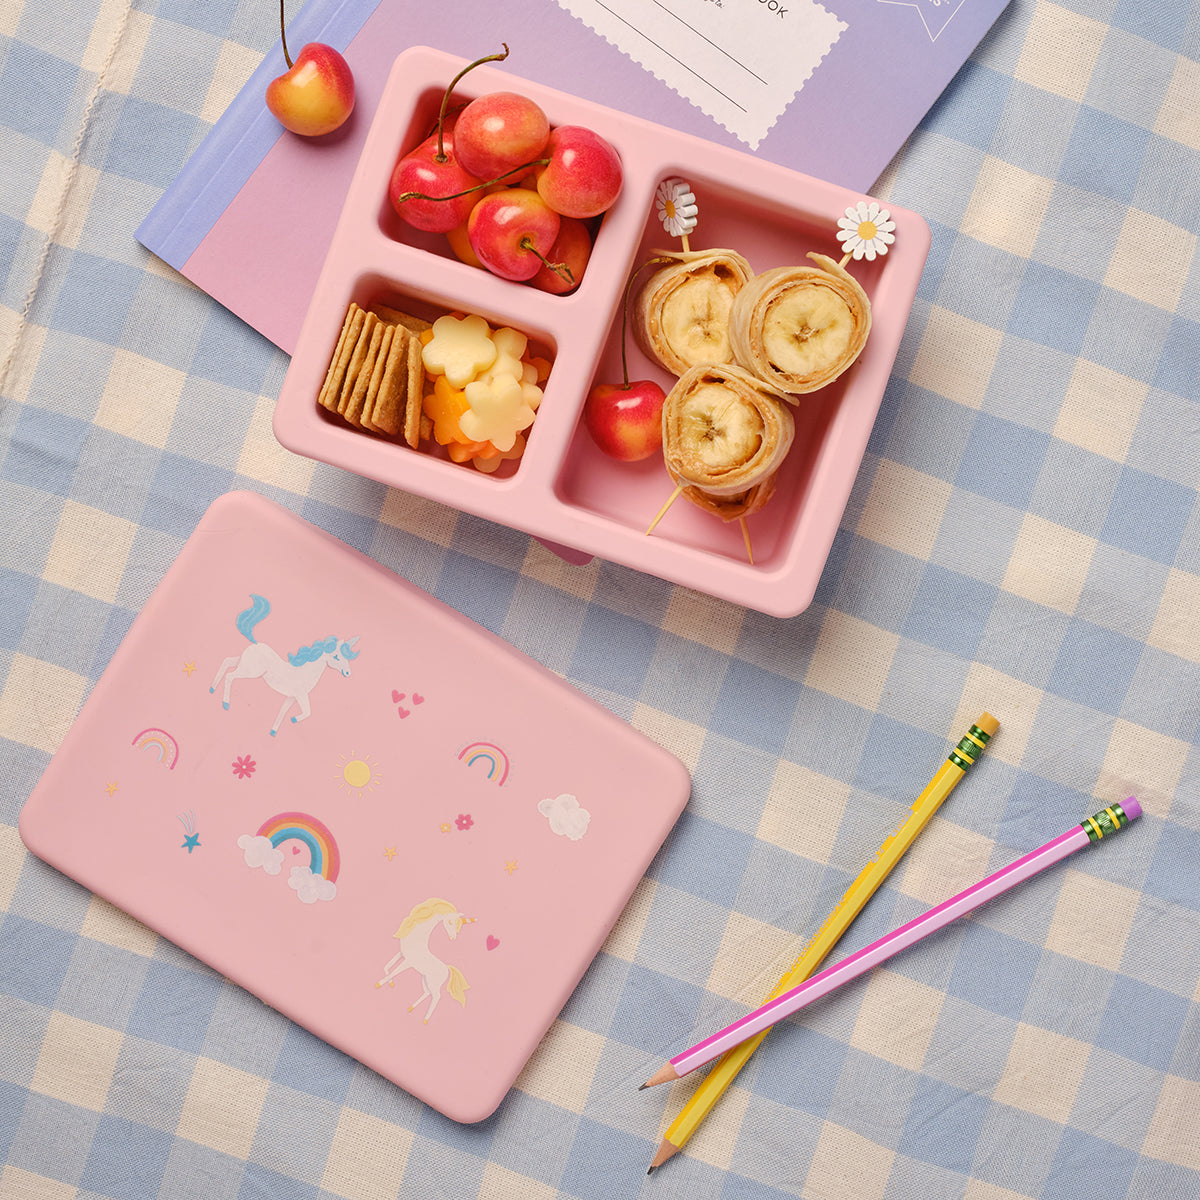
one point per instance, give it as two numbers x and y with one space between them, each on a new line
403 713
492 942
295 849
418 699
397 696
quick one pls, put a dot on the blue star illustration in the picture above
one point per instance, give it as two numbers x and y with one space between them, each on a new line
190 842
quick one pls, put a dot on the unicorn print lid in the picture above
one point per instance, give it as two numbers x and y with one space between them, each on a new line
364 808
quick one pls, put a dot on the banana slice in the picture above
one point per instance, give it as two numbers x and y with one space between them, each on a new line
799 328
724 436
681 315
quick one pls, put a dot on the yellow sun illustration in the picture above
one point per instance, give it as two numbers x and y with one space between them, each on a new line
358 774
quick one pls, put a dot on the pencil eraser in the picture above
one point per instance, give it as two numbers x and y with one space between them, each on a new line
1132 808
988 723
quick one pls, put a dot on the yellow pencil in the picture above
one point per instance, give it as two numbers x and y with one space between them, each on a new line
847 908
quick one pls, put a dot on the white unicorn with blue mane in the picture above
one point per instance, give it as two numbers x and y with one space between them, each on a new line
292 678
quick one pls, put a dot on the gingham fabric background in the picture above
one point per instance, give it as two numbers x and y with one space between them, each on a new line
1024 537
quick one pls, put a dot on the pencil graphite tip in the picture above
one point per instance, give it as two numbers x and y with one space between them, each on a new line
664 1074
642 1087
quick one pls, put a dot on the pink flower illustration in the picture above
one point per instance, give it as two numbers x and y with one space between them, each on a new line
464 821
243 766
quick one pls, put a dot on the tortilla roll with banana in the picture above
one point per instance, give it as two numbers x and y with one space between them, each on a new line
725 435
680 317
799 328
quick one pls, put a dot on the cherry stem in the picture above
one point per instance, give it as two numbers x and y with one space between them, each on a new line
650 262
287 58
537 162
441 150
560 269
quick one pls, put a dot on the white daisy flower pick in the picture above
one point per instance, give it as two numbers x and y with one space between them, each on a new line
865 231
676 205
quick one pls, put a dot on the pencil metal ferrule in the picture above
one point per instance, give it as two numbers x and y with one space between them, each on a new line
1101 824
968 750
982 737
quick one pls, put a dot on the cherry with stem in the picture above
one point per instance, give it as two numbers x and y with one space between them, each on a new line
441 155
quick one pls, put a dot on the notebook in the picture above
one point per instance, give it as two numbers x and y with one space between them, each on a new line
362 807
250 217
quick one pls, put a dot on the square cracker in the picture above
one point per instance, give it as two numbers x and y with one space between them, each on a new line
370 320
332 387
358 394
416 388
393 316
377 369
400 389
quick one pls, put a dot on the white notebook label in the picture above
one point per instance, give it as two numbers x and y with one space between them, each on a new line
739 61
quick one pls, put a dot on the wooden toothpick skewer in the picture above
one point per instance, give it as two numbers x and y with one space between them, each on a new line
746 539
662 512
845 259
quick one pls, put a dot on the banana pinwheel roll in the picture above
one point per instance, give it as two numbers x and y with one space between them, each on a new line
799 328
681 315
724 437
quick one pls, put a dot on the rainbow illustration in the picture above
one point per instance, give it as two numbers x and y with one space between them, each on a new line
160 743
493 758
323 849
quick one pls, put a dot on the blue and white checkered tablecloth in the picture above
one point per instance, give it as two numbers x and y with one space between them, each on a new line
1024 537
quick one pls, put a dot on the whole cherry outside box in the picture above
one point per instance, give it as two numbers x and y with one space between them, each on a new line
356 803
564 489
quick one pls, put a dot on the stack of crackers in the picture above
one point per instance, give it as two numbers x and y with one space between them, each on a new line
375 379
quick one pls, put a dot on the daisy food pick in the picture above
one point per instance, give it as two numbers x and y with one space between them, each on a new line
677 209
865 231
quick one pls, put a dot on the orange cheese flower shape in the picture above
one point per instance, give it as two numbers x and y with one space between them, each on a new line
489 460
499 411
461 452
445 406
460 348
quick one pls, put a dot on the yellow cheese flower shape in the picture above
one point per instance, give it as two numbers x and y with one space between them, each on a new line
498 412
510 346
531 393
511 342
459 349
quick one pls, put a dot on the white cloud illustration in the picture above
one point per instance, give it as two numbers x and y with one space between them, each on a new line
309 887
259 852
566 816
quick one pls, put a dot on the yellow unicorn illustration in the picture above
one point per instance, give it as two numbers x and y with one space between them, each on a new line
414 934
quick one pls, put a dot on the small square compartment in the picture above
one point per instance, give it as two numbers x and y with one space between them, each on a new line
421 122
564 490
371 289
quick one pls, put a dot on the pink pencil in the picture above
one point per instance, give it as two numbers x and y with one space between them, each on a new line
1090 830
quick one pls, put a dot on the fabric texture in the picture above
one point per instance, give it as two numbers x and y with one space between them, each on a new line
1023 537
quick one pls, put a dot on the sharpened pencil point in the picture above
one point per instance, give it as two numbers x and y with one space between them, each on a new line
664 1074
642 1087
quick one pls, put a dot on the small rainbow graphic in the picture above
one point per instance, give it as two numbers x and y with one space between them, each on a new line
321 846
493 758
160 743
